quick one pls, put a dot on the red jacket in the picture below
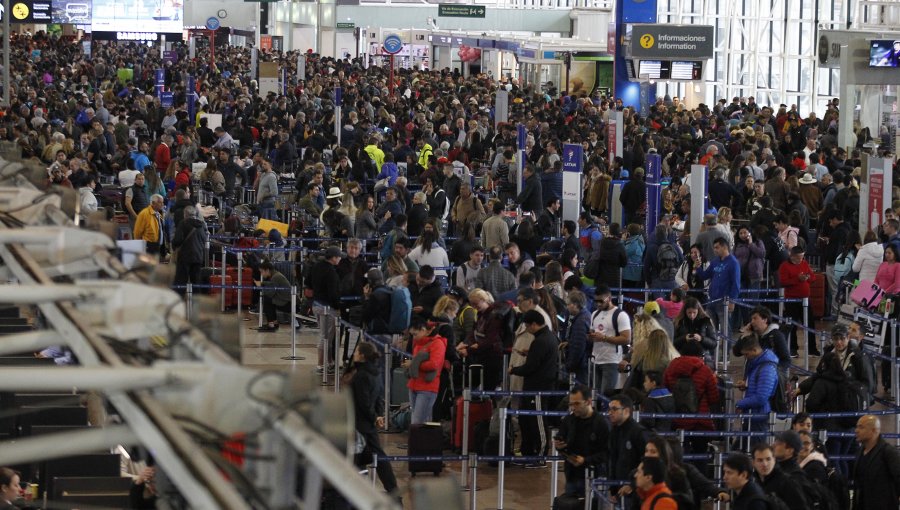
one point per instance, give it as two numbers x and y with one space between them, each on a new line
789 276
162 157
662 503
183 177
436 346
705 384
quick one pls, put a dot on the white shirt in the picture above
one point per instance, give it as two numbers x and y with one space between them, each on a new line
126 178
601 322
466 276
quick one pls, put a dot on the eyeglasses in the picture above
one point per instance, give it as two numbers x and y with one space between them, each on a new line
615 409
601 300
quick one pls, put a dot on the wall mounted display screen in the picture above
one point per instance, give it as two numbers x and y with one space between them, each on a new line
686 70
884 53
651 68
163 16
76 12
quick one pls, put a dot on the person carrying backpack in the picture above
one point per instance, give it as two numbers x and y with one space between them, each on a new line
760 383
743 491
786 448
695 390
661 261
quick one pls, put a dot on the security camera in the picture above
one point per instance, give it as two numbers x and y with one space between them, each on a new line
432 23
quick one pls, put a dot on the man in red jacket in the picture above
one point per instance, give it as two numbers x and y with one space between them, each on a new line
163 154
795 276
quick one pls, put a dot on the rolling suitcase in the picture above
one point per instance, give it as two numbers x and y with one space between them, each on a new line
246 282
425 439
230 293
867 294
480 410
205 275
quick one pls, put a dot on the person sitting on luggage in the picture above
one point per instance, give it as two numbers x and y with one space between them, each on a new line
582 439
276 296
424 369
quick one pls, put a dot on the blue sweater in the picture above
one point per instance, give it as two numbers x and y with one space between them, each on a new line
762 381
725 276
390 171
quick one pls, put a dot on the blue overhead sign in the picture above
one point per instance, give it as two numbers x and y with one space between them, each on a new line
393 44
573 157
212 23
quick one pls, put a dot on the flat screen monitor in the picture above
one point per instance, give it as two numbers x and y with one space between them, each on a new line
650 69
686 70
159 16
76 12
884 53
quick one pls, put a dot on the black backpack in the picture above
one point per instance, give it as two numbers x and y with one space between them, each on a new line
778 401
837 485
772 502
853 397
685 395
817 496
667 261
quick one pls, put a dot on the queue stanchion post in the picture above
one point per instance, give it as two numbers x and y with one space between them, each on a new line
781 303
338 338
501 466
726 322
473 479
240 279
571 381
467 402
189 300
222 297
589 488
621 290
323 321
373 469
895 374
554 467
293 356
505 382
729 408
259 320
207 253
805 333
387 386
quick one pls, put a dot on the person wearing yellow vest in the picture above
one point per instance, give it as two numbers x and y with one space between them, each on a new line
375 153
425 150
148 225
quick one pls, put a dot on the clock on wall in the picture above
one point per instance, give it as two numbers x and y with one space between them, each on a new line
222 13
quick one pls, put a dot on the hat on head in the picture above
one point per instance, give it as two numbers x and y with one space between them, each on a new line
651 307
334 192
807 179
375 276
791 439
839 330
332 251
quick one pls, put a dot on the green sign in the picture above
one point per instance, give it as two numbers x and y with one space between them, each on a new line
461 11
346 25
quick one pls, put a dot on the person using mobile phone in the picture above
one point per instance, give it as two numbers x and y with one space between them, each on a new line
582 438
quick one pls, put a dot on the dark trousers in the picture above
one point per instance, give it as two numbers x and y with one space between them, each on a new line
384 469
534 430
793 311
270 309
186 273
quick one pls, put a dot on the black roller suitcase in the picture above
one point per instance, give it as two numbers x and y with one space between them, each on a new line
425 440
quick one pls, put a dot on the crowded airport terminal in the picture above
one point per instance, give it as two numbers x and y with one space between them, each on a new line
493 254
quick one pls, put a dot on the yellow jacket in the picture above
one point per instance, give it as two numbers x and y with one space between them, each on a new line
423 155
377 156
146 226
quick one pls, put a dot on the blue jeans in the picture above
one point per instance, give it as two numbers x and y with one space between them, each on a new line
606 377
715 312
839 446
421 403
266 209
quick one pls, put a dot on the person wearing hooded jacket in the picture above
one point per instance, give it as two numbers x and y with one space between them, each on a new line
190 241
760 381
692 325
424 369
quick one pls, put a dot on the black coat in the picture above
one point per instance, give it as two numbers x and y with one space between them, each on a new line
426 297
876 476
366 386
416 217
611 260
780 484
541 363
700 326
377 310
532 195
326 284
626 448
190 241
749 498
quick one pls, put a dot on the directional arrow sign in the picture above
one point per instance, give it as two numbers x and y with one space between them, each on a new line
461 11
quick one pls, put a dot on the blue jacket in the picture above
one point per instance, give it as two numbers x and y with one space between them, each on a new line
140 160
577 347
762 380
389 170
725 276
634 251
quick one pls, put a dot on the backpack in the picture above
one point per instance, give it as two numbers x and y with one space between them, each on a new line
508 329
853 397
837 485
615 322
772 502
401 309
817 496
685 394
777 402
667 261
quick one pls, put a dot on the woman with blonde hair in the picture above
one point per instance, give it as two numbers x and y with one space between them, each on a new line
396 272
724 220
653 354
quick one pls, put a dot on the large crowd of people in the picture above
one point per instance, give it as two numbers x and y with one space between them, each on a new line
420 201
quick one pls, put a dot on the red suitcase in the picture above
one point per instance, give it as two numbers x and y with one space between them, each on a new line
480 410
215 282
246 281
817 297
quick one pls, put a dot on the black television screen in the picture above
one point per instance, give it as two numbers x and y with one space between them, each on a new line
884 53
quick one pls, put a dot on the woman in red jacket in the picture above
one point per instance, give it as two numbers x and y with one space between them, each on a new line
691 365
183 177
424 369
795 276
